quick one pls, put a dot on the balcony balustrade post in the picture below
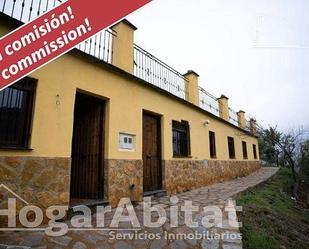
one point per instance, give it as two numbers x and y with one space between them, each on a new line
241 119
253 126
123 52
224 107
192 87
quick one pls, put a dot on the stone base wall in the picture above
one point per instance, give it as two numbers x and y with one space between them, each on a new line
46 181
120 175
181 176
39 181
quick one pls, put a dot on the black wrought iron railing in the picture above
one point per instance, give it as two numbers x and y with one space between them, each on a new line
27 10
248 125
156 72
209 102
146 66
233 117
99 46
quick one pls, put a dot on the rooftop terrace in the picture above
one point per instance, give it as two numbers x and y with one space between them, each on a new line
145 65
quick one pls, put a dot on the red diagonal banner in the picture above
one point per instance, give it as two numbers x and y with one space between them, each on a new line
57 32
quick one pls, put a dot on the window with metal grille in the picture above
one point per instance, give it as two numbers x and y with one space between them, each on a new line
231 147
212 144
181 139
244 150
254 151
16 104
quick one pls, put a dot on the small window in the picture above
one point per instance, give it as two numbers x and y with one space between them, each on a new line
181 139
244 150
212 144
254 151
16 106
231 147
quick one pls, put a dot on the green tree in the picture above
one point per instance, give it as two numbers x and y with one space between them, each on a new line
304 172
288 149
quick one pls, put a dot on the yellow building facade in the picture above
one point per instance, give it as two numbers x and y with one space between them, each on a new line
97 123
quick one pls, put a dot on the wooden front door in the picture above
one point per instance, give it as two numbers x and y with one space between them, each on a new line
152 177
87 148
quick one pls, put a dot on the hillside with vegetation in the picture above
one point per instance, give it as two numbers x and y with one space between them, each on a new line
276 213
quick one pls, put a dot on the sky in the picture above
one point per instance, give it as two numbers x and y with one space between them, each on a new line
256 52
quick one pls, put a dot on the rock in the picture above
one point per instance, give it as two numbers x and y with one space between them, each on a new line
62 241
27 194
210 244
103 247
79 245
12 186
45 199
64 198
13 161
231 246
192 242
183 230
157 244
63 163
6 174
178 244
122 245
140 244
31 168
17 247
57 187
34 240
92 237
44 179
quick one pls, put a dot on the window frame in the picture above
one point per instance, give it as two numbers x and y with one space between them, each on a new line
28 85
184 128
212 144
231 150
244 149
